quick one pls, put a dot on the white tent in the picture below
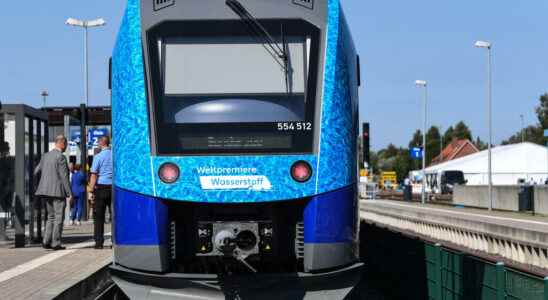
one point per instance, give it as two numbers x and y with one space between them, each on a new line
509 164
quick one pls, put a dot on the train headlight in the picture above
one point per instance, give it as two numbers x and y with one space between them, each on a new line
169 173
301 171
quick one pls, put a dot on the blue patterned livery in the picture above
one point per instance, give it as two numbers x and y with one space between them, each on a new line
234 136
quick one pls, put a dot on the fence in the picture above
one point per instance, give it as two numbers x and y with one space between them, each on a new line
452 275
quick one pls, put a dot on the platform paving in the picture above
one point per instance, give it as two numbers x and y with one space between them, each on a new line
36 273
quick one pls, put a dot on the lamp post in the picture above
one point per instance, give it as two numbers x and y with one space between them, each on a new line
422 83
441 142
86 25
44 95
488 46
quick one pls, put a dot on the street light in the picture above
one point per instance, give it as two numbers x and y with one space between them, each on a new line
422 83
44 95
441 142
86 25
488 46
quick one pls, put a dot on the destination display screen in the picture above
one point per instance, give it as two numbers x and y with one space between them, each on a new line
236 142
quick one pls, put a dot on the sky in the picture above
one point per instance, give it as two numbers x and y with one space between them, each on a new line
398 43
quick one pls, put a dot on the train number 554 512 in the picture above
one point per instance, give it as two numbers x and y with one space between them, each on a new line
294 126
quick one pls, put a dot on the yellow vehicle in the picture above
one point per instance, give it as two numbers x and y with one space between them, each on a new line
388 180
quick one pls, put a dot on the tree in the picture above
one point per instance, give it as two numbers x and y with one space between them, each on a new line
533 133
416 140
390 151
394 159
402 164
374 163
462 132
542 111
432 144
481 145
448 136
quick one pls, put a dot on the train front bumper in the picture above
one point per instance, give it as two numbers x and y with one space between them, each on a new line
335 284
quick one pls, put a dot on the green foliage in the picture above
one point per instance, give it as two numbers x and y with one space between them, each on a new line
397 159
448 136
542 111
402 164
416 140
394 159
481 145
432 144
533 133
374 163
462 132
390 151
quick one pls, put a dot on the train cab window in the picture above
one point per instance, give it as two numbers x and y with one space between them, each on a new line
216 88
233 81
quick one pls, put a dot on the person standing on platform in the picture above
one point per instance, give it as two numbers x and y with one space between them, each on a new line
78 182
100 188
407 192
54 188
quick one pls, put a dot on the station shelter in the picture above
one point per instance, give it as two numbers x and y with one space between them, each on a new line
25 134
23 140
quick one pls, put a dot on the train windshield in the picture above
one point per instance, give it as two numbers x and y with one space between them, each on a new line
234 80
218 88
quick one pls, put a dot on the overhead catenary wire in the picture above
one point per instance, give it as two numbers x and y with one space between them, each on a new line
269 43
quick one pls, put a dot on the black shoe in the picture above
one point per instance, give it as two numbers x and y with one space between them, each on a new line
58 247
46 246
98 247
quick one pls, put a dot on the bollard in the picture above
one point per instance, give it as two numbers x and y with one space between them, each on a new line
501 281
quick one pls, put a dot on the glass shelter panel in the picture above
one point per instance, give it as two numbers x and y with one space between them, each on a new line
7 164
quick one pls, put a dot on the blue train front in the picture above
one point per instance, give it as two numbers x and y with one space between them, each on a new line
234 137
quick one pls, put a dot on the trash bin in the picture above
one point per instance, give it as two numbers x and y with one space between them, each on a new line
526 198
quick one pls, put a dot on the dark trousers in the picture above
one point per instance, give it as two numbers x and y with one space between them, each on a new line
38 210
102 201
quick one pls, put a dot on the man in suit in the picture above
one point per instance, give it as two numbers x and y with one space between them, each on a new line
54 188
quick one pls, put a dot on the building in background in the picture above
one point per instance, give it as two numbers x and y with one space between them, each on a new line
67 121
455 149
511 164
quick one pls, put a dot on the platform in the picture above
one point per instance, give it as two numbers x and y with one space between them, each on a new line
518 239
35 273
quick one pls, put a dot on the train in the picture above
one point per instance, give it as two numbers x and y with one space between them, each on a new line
235 127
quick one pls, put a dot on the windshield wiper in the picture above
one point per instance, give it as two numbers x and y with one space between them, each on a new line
280 54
